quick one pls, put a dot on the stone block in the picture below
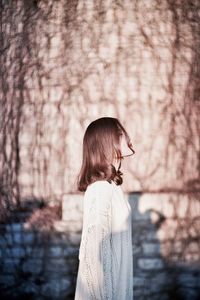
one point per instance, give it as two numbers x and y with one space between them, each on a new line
59 239
32 265
15 252
17 237
35 251
138 282
2 241
56 287
151 235
151 248
137 249
68 226
70 251
177 246
18 251
13 227
74 238
159 281
29 288
7 280
72 208
187 279
57 265
55 251
150 263
28 237
8 239
168 205
162 234
61 226
2 229
10 265
193 247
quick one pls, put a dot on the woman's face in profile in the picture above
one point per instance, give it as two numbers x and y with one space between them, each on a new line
125 150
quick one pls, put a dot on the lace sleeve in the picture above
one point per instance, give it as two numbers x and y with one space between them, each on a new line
98 254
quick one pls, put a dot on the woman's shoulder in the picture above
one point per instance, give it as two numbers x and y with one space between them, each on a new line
100 187
101 184
101 192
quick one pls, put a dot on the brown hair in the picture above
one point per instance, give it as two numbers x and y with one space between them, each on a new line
101 144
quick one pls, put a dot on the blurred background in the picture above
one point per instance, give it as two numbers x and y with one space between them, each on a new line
64 64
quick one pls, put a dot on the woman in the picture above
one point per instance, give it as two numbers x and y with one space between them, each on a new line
105 255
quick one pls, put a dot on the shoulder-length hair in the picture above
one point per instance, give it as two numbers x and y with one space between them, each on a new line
101 144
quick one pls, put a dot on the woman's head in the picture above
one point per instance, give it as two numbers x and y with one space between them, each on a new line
103 143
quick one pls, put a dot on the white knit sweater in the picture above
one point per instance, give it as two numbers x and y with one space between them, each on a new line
105 256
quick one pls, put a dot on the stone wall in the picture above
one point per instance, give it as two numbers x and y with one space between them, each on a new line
66 63
37 264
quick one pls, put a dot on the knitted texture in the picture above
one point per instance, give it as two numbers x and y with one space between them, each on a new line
105 254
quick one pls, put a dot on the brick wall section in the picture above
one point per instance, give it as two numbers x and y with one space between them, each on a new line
68 63
166 250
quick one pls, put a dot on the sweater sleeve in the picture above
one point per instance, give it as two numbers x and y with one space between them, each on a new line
98 252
